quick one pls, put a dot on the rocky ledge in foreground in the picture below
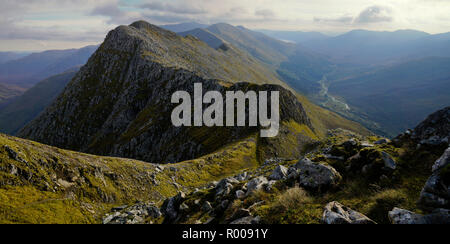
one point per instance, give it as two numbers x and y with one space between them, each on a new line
435 197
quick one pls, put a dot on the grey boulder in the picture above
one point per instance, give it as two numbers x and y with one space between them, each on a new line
279 173
225 186
256 184
404 217
336 213
436 192
247 221
172 205
317 176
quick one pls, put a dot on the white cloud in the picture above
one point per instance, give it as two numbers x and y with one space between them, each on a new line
374 14
89 20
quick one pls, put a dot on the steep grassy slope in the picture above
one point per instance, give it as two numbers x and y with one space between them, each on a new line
42 184
21 110
398 97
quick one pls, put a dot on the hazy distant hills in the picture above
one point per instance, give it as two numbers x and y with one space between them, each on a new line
183 27
9 56
400 96
295 36
27 71
24 108
363 47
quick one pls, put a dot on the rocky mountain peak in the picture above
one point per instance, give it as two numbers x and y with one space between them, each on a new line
119 103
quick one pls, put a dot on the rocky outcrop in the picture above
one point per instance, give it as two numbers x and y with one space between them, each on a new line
434 197
247 221
256 184
405 217
316 176
435 130
372 163
436 192
171 207
279 173
136 214
225 186
336 213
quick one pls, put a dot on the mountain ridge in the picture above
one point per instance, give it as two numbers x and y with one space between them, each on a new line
121 99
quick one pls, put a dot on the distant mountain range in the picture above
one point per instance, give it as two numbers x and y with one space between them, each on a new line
29 70
22 109
183 27
361 47
9 56
298 37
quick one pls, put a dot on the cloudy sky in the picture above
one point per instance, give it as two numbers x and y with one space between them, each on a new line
57 24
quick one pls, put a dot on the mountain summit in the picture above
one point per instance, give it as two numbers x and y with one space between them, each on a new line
119 103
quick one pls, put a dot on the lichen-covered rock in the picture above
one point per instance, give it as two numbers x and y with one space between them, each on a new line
240 194
225 186
435 130
242 177
401 216
336 213
239 214
405 217
316 176
207 207
256 184
171 207
279 173
247 221
436 192
346 149
135 214
372 163
389 162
